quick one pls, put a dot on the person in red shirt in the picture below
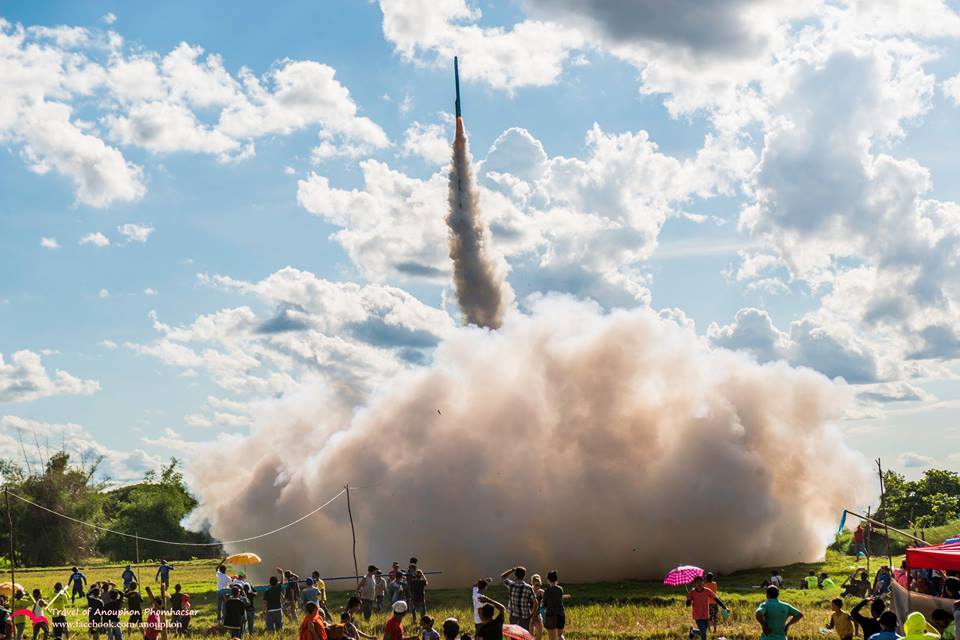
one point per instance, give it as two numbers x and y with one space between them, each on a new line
700 598
312 627
394 627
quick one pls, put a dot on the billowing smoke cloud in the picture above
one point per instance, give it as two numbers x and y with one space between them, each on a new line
603 445
482 292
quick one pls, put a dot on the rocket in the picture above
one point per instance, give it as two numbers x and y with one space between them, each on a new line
456 83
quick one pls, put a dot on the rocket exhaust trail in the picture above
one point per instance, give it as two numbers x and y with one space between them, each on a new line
478 281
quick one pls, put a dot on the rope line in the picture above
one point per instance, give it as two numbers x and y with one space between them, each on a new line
182 544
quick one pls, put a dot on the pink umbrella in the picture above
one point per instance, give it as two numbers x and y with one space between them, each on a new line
516 632
683 574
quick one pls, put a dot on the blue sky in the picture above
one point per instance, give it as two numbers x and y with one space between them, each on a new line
781 210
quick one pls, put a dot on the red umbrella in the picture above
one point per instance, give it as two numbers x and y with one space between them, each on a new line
683 574
516 632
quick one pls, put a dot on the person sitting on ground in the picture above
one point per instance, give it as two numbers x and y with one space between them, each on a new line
699 600
951 588
393 630
312 627
427 632
235 612
810 581
888 627
450 629
350 629
491 620
881 584
840 620
775 580
825 582
868 624
776 617
915 627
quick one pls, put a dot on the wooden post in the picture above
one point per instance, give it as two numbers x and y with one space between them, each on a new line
136 542
866 544
353 533
886 531
13 573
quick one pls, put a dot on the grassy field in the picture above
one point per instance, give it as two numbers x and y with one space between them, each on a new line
629 609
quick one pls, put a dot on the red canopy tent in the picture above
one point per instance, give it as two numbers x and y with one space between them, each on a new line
943 556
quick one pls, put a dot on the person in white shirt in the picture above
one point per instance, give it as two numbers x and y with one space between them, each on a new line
223 589
479 589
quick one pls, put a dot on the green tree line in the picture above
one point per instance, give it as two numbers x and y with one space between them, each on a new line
154 507
930 501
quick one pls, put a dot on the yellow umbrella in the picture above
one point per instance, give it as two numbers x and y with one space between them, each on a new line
7 588
243 558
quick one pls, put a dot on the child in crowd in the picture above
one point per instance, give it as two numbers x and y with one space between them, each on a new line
427 632
840 620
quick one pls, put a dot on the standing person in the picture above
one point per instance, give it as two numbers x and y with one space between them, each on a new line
77 581
776 580
223 589
234 613
710 582
554 616
536 621
6 623
521 601
858 546
381 591
134 604
273 606
367 590
776 617
111 615
869 625
151 630
128 577
309 594
19 602
491 620
179 605
291 592
163 574
94 612
250 595
478 590
39 615
58 620
699 600
393 630
393 584
417 585
311 627
840 620
322 597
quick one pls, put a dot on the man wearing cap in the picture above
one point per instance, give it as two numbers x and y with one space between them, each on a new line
367 590
309 594
393 630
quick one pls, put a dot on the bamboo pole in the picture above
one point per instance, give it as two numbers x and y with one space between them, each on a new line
353 533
